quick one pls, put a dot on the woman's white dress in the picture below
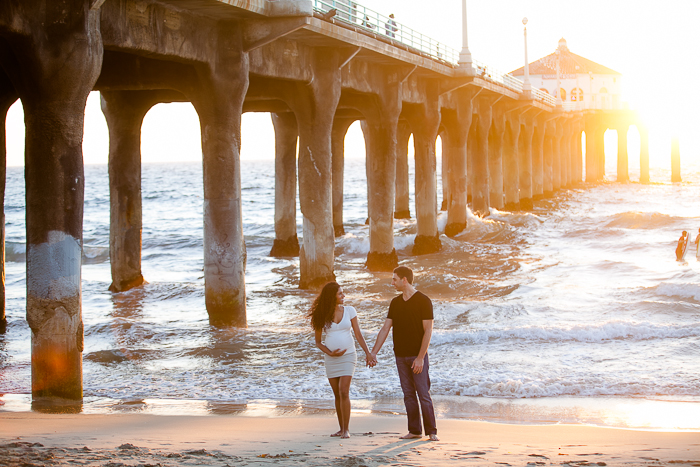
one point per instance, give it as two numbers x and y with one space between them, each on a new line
339 336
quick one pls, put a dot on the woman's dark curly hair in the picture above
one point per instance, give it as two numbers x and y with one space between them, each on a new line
323 308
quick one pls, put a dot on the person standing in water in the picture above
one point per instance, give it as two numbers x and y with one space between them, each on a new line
697 246
681 246
330 315
411 316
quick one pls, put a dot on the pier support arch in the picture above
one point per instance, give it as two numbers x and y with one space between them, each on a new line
124 112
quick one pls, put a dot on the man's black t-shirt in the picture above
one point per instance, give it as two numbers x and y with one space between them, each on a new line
407 319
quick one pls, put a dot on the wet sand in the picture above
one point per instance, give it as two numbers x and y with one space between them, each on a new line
118 440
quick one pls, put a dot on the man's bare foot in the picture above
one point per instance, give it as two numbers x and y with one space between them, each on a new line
434 438
410 436
337 434
345 435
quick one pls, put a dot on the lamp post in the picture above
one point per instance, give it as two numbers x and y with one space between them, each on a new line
527 87
465 56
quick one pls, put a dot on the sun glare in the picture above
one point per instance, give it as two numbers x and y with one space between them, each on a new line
657 415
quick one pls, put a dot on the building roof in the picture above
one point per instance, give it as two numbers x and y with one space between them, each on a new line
569 64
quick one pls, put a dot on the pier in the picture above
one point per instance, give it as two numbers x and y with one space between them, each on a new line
317 67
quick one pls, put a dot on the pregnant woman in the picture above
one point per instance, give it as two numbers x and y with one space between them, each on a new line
330 315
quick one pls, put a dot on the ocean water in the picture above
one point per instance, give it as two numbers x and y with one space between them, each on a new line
576 312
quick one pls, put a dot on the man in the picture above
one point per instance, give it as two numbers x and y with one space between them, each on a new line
411 316
390 26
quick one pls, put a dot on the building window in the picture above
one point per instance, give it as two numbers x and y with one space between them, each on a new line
603 90
562 93
576 95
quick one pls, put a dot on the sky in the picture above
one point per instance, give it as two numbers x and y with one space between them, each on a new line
653 44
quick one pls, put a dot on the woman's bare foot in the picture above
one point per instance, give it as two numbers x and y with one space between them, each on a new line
337 434
434 438
410 436
345 435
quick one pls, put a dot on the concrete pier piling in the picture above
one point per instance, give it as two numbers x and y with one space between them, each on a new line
340 129
402 208
286 242
381 127
548 158
591 171
600 153
314 105
60 67
578 152
218 101
424 120
643 155
7 98
479 169
527 130
557 155
622 158
496 136
564 154
454 146
511 162
124 112
675 160
538 139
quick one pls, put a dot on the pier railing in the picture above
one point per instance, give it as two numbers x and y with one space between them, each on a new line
373 22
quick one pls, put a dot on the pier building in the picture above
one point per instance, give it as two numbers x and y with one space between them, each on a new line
317 66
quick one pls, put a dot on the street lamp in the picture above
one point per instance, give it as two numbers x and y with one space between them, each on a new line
527 87
465 56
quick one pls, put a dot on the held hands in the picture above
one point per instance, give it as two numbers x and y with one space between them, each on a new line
337 352
371 360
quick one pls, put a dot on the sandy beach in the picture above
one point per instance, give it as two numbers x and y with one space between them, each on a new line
35 439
